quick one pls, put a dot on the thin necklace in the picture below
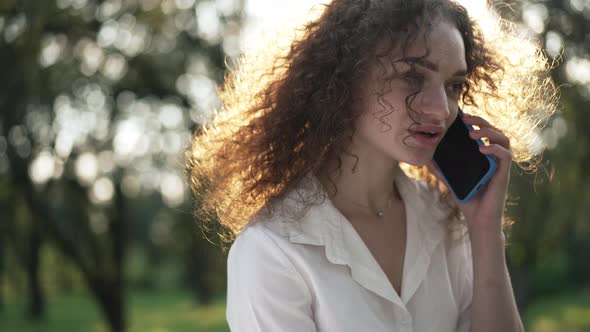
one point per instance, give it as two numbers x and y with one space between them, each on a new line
379 213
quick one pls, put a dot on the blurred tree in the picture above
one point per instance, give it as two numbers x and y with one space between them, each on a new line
553 205
97 102
25 239
200 257
4 206
34 243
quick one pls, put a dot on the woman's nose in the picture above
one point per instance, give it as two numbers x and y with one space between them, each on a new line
435 102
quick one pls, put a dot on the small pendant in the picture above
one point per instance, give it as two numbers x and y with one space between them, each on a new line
380 214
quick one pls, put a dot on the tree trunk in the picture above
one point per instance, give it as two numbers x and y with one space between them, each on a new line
112 302
107 286
109 290
37 299
2 275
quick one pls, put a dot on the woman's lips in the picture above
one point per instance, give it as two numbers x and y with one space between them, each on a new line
424 140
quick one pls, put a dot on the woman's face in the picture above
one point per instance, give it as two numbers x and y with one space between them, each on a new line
385 126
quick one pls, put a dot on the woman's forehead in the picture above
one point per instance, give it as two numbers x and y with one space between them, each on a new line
439 48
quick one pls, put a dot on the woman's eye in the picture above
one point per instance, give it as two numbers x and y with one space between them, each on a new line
414 78
456 87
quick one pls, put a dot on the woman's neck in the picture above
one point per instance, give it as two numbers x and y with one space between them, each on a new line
368 184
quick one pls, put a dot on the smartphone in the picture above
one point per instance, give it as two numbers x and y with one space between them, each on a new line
464 168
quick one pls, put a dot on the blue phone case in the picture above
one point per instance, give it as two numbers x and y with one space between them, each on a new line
487 176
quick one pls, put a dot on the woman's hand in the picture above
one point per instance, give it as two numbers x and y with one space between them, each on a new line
484 212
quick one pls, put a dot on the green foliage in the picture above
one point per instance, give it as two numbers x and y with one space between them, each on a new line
568 312
98 100
172 311
550 276
552 206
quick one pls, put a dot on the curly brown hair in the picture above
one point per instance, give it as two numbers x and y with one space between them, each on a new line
286 109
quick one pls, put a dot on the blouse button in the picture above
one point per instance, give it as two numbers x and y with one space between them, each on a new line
403 317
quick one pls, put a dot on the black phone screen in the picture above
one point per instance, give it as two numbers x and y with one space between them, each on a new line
460 160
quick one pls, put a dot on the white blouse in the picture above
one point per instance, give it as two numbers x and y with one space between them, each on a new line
317 274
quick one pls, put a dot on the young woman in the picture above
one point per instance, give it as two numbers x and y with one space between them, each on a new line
320 167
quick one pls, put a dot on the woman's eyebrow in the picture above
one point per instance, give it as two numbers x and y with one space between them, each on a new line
432 66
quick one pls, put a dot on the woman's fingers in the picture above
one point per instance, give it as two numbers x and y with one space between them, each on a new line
486 130
497 151
499 146
475 120
502 155
495 136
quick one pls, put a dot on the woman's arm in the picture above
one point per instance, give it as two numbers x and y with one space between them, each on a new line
493 306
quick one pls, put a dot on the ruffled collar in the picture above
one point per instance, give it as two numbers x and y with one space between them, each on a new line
322 224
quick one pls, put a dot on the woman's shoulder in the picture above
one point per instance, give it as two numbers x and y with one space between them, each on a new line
257 235
253 248
264 235
438 214
427 197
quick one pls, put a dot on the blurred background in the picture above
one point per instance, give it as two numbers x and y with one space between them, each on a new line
98 100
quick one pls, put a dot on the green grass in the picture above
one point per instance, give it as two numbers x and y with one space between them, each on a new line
148 312
568 312
176 312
